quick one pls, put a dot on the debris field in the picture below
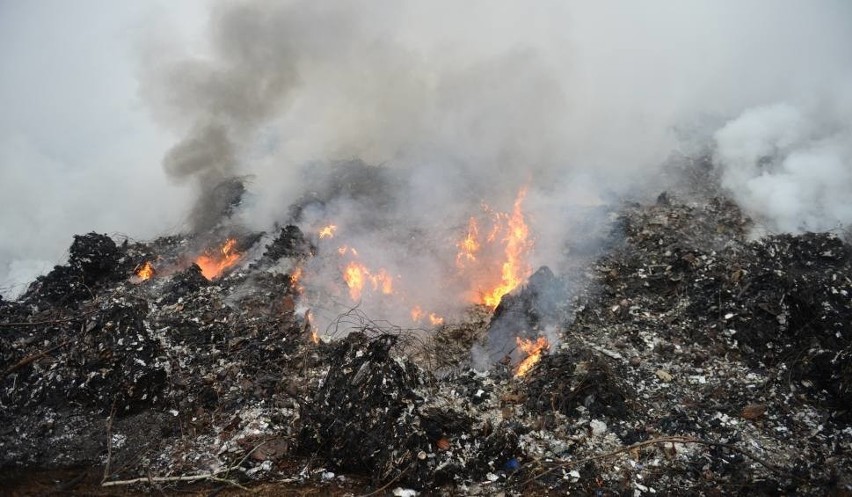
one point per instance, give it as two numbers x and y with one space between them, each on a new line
687 359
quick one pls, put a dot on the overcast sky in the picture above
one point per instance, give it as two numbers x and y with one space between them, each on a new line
93 95
78 149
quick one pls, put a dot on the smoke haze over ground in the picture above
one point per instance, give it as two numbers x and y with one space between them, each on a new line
464 103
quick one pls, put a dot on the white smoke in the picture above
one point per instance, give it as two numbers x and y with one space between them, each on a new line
791 169
469 101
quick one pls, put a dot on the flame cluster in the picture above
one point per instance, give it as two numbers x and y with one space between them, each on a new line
214 262
490 261
418 315
357 276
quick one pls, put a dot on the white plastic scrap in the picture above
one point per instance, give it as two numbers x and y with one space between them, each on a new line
404 492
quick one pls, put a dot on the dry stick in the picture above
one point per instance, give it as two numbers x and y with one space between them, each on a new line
32 358
214 476
391 482
109 441
166 479
674 439
49 321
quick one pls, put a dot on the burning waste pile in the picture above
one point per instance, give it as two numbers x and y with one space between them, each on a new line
684 359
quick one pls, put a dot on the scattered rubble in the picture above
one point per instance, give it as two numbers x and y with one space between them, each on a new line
688 360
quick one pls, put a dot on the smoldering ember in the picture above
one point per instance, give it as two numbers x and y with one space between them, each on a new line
678 356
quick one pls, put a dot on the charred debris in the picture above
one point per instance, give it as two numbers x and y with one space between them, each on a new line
689 360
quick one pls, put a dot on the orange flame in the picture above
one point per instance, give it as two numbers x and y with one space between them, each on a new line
510 231
213 264
314 334
533 349
417 314
384 281
296 280
145 271
469 246
327 231
515 270
357 275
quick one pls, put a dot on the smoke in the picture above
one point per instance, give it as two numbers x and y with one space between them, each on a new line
475 100
77 150
790 168
467 102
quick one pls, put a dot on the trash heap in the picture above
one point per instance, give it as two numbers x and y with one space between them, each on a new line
365 416
687 359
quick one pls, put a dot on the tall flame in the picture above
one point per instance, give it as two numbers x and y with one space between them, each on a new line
315 339
212 264
496 265
533 349
469 245
355 275
296 280
515 269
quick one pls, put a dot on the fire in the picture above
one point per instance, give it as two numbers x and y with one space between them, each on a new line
145 271
417 314
506 246
314 334
357 276
515 269
533 349
469 246
212 264
491 257
343 250
296 280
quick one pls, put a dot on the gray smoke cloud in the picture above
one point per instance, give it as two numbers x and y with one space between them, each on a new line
78 151
465 103
469 101
475 100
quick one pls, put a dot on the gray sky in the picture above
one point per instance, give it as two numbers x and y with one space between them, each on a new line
471 98
78 149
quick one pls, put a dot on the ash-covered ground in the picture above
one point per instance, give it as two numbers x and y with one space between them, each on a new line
687 359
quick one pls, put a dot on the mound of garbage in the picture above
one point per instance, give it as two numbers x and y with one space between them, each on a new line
688 359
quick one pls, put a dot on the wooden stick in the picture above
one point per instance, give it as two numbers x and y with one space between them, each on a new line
653 441
49 321
167 479
32 358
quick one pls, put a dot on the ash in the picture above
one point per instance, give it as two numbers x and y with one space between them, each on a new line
694 361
